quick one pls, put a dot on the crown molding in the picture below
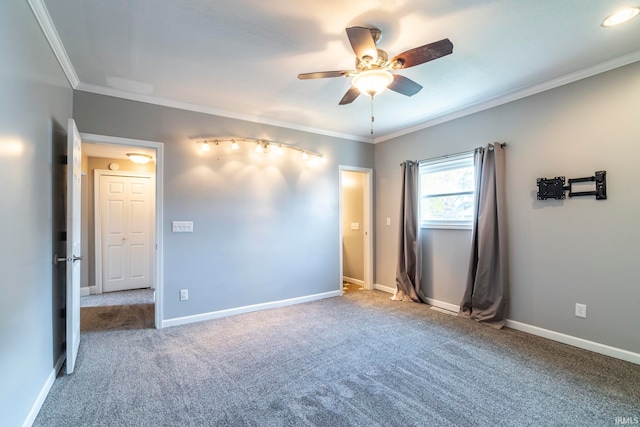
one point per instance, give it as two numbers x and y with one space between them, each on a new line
472 107
46 24
461 110
101 90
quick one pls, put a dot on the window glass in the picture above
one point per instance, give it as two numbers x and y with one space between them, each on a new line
447 192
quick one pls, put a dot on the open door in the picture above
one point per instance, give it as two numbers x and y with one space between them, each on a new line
365 241
74 171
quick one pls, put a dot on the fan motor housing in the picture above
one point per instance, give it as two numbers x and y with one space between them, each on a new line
380 61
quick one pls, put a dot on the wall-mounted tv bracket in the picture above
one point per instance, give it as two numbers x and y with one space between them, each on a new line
554 188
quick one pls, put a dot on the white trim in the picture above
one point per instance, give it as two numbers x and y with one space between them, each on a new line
478 105
247 309
101 90
607 350
159 196
37 404
384 288
434 302
85 291
105 139
443 310
353 281
46 24
447 225
444 305
464 109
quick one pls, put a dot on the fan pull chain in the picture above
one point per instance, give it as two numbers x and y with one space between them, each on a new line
372 118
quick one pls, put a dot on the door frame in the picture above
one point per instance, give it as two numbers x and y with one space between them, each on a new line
97 215
159 238
367 190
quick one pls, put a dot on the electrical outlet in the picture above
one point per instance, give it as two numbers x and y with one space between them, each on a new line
388 221
184 294
581 310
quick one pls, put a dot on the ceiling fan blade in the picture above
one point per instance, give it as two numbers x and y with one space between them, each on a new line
362 42
350 96
426 53
404 85
324 74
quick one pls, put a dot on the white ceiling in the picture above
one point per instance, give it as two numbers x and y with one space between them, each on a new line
241 58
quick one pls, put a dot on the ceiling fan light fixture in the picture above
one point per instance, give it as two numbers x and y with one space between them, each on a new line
139 158
621 16
372 82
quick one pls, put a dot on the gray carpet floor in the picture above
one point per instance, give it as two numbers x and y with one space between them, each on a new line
356 360
137 296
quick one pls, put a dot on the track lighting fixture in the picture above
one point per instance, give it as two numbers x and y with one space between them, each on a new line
265 146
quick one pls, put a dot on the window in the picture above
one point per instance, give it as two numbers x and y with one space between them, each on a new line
447 192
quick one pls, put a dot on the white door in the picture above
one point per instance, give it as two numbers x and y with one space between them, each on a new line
74 172
126 229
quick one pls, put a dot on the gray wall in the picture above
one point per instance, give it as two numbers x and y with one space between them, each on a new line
34 108
560 252
353 212
265 229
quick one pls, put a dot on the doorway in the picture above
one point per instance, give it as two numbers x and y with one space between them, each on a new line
356 220
108 167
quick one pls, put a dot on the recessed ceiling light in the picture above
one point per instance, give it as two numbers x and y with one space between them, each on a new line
621 16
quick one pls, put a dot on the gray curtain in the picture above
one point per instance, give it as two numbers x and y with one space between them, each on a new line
487 290
409 268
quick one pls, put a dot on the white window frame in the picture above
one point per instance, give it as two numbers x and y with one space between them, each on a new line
438 165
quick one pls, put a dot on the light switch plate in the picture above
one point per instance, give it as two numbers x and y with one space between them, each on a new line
355 226
581 310
182 226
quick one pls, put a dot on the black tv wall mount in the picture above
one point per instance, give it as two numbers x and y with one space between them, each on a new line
554 188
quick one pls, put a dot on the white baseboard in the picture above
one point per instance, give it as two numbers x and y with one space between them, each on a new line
352 280
384 288
430 301
88 290
618 353
33 413
442 304
247 309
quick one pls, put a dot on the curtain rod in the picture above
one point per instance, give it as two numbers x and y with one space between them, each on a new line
502 144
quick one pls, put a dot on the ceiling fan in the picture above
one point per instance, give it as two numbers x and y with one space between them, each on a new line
372 73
